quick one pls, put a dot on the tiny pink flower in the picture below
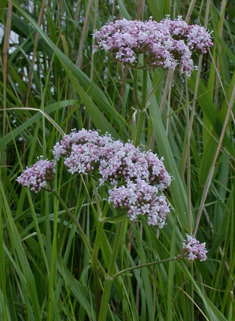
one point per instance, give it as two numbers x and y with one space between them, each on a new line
37 176
193 249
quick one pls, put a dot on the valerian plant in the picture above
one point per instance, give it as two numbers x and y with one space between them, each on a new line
135 179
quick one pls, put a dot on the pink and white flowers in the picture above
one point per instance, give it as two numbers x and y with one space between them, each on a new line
193 249
140 198
37 176
136 179
167 44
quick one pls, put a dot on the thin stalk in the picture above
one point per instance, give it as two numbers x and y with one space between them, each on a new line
2 268
109 278
95 266
83 35
83 235
144 88
188 159
193 109
53 262
144 265
142 108
168 81
168 111
190 286
5 54
30 78
190 10
100 226
135 88
140 10
155 88
199 67
93 39
139 127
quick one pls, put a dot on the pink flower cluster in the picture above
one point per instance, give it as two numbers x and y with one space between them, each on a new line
82 150
166 44
193 249
37 176
140 198
197 38
136 179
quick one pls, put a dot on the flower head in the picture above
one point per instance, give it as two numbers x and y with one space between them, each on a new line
140 198
82 150
167 44
193 249
37 176
135 179
80 138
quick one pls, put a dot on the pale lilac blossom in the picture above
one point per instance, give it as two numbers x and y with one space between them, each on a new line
115 162
140 198
37 176
81 137
122 163
167 44
197 38
135 179
193 249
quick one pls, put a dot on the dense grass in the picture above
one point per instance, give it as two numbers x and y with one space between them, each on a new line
52 82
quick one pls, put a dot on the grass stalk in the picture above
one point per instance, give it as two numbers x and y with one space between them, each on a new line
109 277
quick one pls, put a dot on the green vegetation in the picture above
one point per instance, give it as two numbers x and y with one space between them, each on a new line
51 83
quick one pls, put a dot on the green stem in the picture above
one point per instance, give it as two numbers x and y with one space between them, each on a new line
155 88
139 127
144 88
142 109
95 266
143 265
135 89
100 225
83 235
188 159
109 279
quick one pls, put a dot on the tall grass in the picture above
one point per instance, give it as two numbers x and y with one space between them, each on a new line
52 82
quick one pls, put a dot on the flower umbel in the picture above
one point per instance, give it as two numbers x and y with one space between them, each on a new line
135 179
167 44
140 199
193 249
37 176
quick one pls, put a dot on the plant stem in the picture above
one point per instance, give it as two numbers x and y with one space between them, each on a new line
135 89
83 235
100 225
139 127
142 108
143 265
188 159
109 279
144 88
155 88
95 266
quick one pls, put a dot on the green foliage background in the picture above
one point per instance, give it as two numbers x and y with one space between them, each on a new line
52 82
